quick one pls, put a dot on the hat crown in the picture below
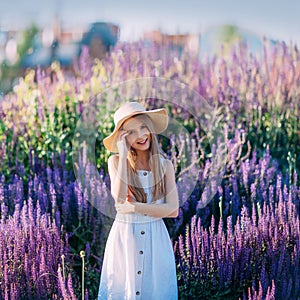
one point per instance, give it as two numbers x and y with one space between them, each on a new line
159 118
126 110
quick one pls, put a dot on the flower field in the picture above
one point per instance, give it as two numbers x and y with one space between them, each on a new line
244 244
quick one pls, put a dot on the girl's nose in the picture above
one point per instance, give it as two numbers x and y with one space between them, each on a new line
141 137
141 133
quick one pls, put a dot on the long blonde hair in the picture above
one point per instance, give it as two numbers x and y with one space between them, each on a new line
155 163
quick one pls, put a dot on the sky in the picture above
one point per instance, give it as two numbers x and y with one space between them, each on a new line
273 19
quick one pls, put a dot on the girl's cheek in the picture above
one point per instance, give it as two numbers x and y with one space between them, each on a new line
130 140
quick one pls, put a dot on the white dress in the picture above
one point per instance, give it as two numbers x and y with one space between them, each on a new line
139 260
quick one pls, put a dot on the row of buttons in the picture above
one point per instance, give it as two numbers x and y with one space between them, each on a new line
141 253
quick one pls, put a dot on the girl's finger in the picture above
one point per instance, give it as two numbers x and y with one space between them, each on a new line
128 198
124 135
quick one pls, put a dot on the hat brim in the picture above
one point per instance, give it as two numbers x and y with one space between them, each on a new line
159 119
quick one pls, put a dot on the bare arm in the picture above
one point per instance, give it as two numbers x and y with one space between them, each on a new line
117 169
169 209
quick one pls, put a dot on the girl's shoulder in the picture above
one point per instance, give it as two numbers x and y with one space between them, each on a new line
113 157
167 163
113 161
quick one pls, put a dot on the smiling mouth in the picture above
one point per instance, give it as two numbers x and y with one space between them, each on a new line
143 142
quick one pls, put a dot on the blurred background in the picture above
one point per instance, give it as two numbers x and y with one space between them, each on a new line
36 33
60 59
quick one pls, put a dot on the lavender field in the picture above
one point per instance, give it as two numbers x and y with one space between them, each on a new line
245 244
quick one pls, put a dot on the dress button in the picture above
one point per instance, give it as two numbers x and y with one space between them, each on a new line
141 252
145 173
137 293
142 232
139 272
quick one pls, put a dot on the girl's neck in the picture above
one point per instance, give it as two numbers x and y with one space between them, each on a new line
142 160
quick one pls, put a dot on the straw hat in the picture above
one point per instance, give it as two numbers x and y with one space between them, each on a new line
159 119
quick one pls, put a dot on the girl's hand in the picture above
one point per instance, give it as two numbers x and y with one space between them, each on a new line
122 144
126 207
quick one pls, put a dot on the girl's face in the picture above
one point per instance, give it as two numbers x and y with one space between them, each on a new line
138 137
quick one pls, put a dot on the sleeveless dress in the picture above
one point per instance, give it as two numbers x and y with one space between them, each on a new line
139 261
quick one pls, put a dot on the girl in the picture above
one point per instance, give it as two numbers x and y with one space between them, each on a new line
139 259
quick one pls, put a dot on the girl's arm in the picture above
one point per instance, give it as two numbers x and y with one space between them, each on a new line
117 169
164 210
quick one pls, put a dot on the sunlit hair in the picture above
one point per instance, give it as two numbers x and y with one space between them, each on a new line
155 155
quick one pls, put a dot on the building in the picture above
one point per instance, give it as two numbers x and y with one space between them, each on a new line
176 42
66 46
